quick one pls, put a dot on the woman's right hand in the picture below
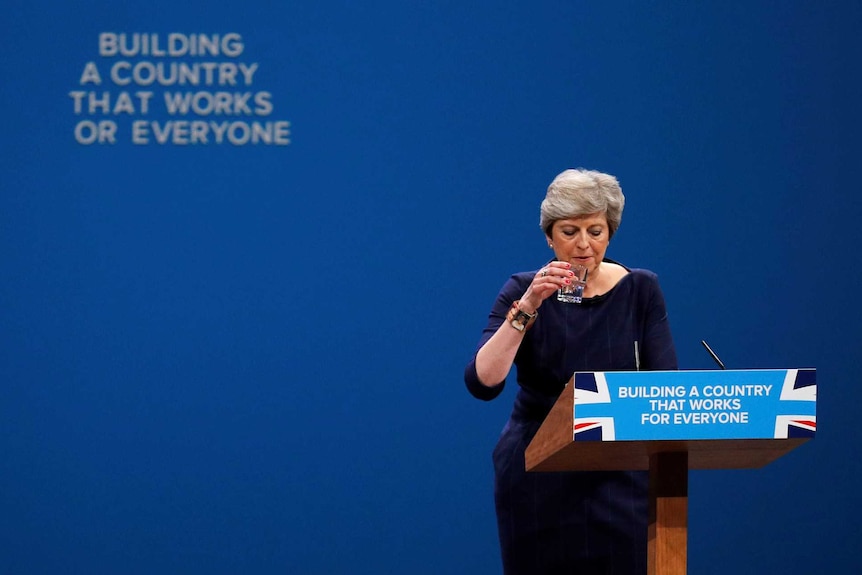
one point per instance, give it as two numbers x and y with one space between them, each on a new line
546 282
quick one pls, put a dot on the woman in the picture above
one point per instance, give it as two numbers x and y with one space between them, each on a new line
579 522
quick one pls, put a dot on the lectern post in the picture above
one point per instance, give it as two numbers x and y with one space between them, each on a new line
667 547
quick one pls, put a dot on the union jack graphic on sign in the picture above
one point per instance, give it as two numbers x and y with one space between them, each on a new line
799 385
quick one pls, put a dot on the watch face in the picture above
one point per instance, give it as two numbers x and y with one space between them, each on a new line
518 319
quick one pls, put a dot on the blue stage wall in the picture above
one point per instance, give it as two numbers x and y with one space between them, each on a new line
233 339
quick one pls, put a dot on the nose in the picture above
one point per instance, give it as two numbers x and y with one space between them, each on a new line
582 241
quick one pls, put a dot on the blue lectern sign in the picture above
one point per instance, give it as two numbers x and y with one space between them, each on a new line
693 405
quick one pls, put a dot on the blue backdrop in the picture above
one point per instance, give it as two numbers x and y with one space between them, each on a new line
247 358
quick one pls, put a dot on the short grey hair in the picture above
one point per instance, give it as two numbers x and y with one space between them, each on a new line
577 193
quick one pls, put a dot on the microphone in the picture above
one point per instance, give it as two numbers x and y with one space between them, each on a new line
712 353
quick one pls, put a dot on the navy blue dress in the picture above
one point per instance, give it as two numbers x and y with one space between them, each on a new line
573 522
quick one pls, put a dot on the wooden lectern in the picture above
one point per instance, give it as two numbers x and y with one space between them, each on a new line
602 421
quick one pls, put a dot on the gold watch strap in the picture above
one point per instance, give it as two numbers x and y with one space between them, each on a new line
520 320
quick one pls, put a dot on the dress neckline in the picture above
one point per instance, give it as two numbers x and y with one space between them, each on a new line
596 299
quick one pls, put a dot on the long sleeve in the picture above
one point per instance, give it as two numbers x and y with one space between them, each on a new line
508 294
658 351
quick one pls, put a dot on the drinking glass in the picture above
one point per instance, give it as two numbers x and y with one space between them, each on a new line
574 292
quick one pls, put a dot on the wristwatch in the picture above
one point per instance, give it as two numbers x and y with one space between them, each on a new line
520 320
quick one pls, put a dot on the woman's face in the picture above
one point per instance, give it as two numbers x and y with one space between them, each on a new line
582 240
